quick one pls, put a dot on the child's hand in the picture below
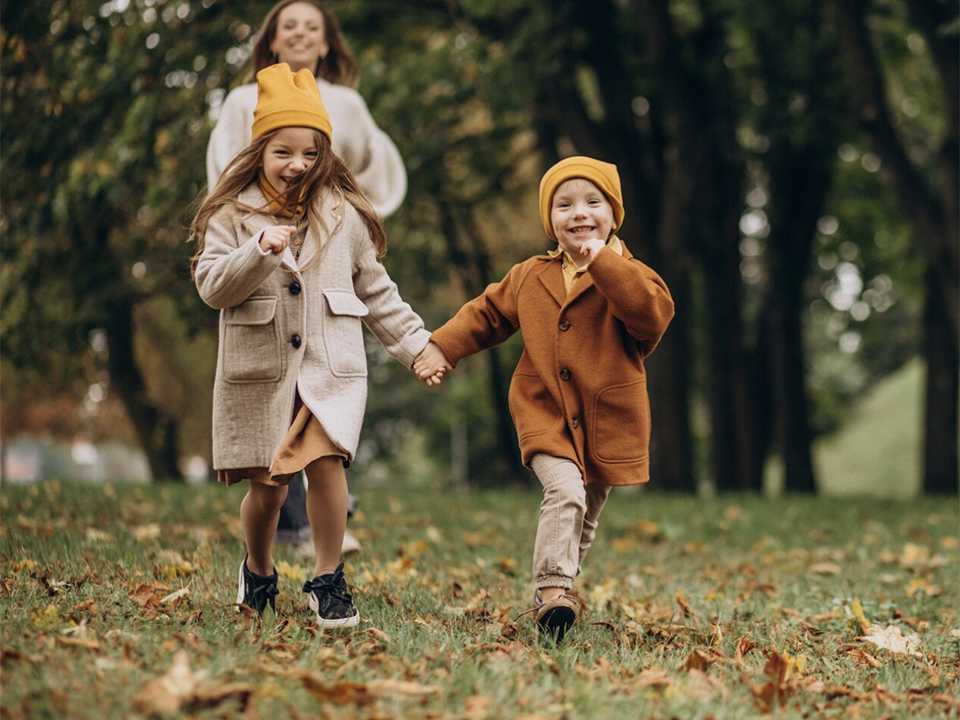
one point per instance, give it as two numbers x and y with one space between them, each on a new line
276 238
591 247
431 365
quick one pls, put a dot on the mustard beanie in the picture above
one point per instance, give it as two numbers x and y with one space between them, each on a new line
288 100
603 175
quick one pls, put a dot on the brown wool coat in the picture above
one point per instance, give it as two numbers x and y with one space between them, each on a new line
580 389
265 300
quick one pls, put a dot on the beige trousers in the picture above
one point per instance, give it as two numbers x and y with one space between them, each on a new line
568 521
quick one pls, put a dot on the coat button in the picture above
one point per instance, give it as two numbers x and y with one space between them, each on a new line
564 325
294 288
575 423
295 341
564 374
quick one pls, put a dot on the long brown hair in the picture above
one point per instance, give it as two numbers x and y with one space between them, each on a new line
329 171
339 66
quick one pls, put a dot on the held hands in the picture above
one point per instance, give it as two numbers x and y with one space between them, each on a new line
431 365
275 239
591 247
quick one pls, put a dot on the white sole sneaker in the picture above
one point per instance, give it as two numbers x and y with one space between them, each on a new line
335 623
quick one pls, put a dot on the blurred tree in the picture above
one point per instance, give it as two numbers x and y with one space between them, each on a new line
924 178
103 106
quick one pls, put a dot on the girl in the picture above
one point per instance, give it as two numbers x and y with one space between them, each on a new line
287 249
306 34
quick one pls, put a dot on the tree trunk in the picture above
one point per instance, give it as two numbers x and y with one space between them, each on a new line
940 444
474 271
156 432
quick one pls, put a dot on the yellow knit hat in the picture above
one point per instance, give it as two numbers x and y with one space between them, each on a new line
603 175
288 100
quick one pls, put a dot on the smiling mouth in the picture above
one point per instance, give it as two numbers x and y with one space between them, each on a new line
581 230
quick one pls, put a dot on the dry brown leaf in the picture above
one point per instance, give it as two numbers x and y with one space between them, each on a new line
825 568
685 607
744 645
654 678
168 692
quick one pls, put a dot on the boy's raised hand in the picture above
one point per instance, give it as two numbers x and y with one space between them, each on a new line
275 238
591 247
431 365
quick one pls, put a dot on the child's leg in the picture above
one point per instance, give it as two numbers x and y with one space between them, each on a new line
556 553
596 499
327 503
259 512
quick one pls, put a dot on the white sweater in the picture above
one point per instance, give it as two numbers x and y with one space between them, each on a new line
368 151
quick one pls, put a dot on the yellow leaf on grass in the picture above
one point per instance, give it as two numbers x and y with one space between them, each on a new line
857 610
47 618
825 568
914 555
924 586
291 572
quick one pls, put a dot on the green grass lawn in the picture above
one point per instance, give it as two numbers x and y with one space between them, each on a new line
877 451
115 602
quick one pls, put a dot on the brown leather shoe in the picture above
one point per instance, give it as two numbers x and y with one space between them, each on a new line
557 615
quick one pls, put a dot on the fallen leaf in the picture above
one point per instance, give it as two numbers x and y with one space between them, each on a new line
892 638
856 610
392 686
167 693
175 595
825 568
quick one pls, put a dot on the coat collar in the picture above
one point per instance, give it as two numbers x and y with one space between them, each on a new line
551 277
254 221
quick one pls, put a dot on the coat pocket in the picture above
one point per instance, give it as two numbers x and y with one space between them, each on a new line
343 333
251 342
621 425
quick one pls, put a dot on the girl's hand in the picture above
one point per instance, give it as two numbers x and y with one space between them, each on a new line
276 238
431 365
591 247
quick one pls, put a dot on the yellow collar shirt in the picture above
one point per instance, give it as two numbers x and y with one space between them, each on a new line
572 273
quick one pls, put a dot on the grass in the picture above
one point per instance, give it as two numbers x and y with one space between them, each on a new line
115 603
877 451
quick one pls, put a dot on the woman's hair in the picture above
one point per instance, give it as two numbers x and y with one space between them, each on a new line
338 67
329 171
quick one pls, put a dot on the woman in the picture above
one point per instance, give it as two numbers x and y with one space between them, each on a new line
305 34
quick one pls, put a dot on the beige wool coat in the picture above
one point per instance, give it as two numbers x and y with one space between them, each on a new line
580 389
285 331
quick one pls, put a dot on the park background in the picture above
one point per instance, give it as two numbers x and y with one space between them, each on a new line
789 168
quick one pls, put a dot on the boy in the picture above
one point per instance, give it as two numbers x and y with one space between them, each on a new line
590 313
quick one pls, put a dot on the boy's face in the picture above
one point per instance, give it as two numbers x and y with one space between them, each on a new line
579 212
287 155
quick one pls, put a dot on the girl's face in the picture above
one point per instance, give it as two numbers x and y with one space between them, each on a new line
287 155
580 211
301 38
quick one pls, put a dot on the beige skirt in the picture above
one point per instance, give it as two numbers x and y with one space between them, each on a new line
305 441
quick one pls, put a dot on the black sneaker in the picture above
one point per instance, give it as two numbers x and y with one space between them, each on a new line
255 591
331 601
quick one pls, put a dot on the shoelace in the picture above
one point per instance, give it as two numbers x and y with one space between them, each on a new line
262 594
334 587
540 604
